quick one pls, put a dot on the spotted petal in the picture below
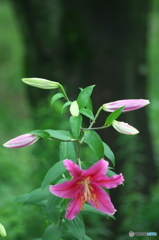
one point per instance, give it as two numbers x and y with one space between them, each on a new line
110 182
73 208
72 168
68 189
103 202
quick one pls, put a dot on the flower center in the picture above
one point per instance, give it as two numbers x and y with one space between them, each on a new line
88 194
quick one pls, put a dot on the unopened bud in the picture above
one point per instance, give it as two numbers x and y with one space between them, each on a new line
74 109
41 83
128 104
21 141
124 128
2 231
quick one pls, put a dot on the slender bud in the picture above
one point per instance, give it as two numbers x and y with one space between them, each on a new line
41 83
74 109
2 231
124 128
21 141
130 105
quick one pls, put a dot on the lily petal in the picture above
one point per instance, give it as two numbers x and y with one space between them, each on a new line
98 169
110 182
68 189
73 208
130 105
103 202
72 168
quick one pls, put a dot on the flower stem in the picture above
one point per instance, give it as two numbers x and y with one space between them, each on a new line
63 90
90 126
97 114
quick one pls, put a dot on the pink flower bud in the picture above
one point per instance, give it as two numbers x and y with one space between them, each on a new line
130 105
21 141
124 128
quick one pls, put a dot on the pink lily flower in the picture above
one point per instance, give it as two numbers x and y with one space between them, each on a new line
86 186
130 105
21 141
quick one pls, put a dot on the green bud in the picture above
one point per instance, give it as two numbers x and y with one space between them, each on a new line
2 231
74 109
41 83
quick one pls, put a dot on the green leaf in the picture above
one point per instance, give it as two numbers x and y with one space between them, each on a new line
108 153
89 208
76 227
88 238
67 235
68 151
52 202
40 133
84 96
54 215
110 173
34 197
90 105
56 97
75 124
52 232
55 171
86 164
66 105
37 239
114 115
59 134
94 142
87 113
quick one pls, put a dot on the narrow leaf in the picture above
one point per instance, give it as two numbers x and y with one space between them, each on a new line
34 197
54 215
66 105
52 232
94 142
114 115
75 124
84 96
40 133
68 151
76 227
108 153
52 202
53 173
87 113
56 97
90 105
59 134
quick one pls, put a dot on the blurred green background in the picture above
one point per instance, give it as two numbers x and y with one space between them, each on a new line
22 170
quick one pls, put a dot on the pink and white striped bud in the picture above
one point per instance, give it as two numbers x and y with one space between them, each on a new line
130 105
21 141
124 128
41 83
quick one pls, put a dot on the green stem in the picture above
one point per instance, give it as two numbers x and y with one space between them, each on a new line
78 155
63 90
96 128
90 126
97 114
